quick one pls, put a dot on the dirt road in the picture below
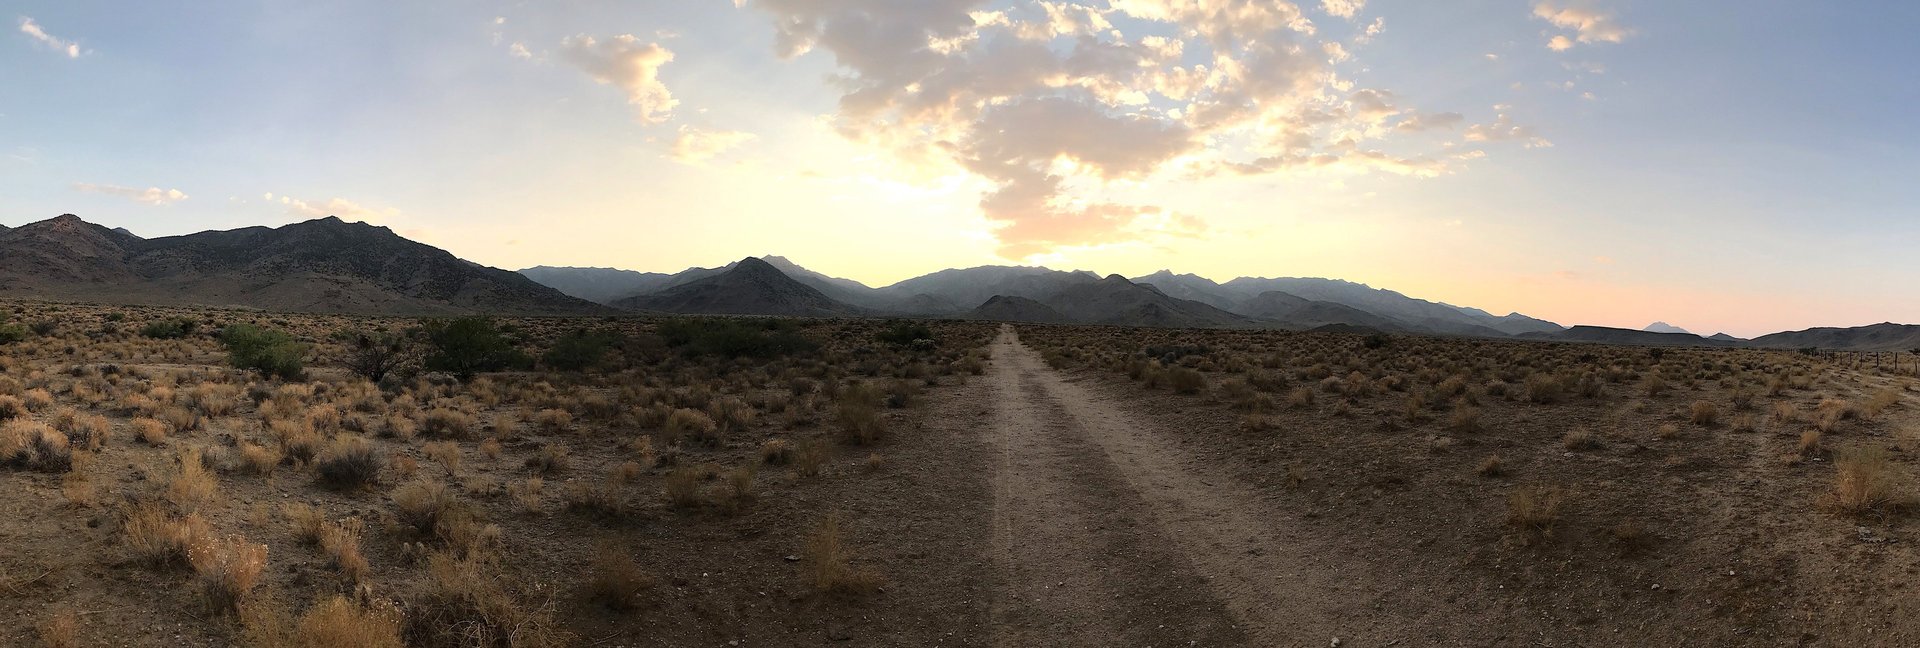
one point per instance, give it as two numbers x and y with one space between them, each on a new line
1106 533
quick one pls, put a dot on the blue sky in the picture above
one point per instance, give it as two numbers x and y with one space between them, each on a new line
1737 166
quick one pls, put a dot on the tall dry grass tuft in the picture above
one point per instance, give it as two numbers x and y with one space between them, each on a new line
1532 512
1867 481
227 570
830 565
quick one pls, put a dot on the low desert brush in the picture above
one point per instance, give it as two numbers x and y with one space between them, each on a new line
1533 510
61 630
193 485
1867 481
1703 413
349 462
682 487
227 570
158 538
617 581
830 565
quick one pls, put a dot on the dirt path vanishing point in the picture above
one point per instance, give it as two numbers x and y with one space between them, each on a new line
1105 534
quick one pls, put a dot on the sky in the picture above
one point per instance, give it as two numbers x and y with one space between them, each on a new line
1744 166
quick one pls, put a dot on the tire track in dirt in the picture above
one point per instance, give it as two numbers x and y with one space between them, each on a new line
1105 533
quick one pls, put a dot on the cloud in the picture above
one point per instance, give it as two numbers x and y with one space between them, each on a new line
1343 8
1063 106
1502 128
34 31
626 62
341 207
519 51
1589 25
696 145
150 196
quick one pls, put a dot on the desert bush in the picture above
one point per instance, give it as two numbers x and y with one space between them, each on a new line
464 604
374 356
580 350
227 570
776 452
1465 418
1299 398
1703 413
1492 466
735 338
468 346
430 509
682 487
446 422
13 333
739 487
1580 439
830 563
1533 510
553 421
1867 481
1880 401
730 412
169 329
447 453
905 334
270 352
349 462
1542 387
617 582
32 445
62 630
1186 381
331 623
551 458
194 485
858 414
811 456
159 539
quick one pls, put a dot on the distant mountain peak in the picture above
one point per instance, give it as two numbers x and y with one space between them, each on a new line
1663 327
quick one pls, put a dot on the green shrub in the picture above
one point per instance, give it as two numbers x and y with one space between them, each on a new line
755 338
172 328
580 350
469 345
270 352
11 333
905 333
375 355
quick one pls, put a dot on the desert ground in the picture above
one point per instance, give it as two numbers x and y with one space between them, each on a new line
205 477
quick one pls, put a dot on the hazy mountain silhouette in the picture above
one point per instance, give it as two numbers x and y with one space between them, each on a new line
1663 327
1191 288
1118 301
599 285
977 285
749 286
1002 308
1299 313
1885 336
1607 335
323 265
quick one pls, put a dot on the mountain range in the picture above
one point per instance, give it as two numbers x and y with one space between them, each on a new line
329 265
324 265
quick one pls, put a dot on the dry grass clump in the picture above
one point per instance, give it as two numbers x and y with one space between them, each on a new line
491 448
430 509
731 413
553 421
257 459
685 422
551 458
1492 466
1580 439
331 623
1810 443
857 412
447 453
227 570
350 462
618 582
1465 418
340 543
1298 398
466 604
1542 387
11 408
62 630
1867 481
159 539
811 456
776 452
150 431
830 563
1186 381
1703 413
682 487
1532 512
193 485
739 488
34 446
1880 402
447 423
87 431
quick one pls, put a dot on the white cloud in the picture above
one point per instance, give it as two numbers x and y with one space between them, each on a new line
629 64
34 31
696 145
1503 128
150 196
1589 25
1343 8
519 51
1062 105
